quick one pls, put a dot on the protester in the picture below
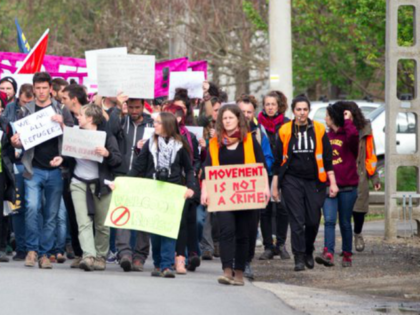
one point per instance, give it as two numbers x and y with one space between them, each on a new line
272 117
7 181
344 139
165 157
9 86
233 144
248 105
91 196
187 238
58 85
26 95
303 164
182 100
41 178
366 169
129 131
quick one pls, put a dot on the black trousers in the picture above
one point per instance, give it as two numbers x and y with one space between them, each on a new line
4 221
253 233
187 236
359 221
235 227
303 201
281 224
74 228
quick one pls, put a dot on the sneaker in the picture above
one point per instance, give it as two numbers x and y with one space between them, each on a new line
61 259
193 262
137 265
53 260
70 252
179 265
156 272
112 258
87 263
31 259
216 251
76 262
126 262
282 252
346 260
326 258
168 273
20 256
359 242
3 257
299 263
207 255
44 263
248 273
267 255
99 264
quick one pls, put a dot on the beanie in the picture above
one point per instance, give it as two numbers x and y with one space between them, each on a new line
11 81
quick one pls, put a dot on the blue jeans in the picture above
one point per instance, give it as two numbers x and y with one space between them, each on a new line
61 230
18 219
201 219
48 184
163 251
343 205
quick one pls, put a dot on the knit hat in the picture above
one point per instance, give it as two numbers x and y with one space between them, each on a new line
3 99
11 81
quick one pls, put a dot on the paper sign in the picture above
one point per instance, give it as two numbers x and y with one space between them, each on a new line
37 128
132 74
92 59
146 205
236 187
81 144
192 81
148 132
197 131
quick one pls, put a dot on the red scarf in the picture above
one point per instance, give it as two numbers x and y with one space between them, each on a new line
270 123
234 138
184 132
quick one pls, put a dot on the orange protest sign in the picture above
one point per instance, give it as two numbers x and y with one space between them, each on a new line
236 187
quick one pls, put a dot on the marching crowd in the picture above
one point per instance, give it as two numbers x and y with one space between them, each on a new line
59 204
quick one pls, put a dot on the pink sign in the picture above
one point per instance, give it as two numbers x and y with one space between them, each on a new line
200 65
162 73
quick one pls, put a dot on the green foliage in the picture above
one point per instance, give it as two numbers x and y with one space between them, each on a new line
254 16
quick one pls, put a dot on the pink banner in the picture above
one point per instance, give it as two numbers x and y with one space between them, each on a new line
162 73
200 65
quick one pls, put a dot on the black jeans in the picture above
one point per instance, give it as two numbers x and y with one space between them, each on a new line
359 220
235 227
187 236
253 233
281 224
303 201
4 221
74 229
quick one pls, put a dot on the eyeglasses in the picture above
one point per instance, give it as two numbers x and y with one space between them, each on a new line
157 122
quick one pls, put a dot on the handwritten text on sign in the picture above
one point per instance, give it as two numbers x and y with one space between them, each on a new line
146 205
37 128
81 144
236 187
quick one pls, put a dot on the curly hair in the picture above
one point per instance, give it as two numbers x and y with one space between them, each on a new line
359 119
280 98
248 99
243 125
336 113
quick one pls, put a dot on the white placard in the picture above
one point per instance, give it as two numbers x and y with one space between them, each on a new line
197 131
148 132
132 74
81 143
37 128
191 81
92 57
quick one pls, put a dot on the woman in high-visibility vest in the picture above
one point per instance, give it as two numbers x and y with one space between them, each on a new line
272 117
303 164
232 145
366 168
344 139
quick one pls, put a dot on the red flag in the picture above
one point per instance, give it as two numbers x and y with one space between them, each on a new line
34 59
148 107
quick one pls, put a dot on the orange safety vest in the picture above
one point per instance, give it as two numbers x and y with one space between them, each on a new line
371 159
248 150
285 134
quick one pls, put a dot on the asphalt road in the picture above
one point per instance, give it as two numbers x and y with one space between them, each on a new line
63 291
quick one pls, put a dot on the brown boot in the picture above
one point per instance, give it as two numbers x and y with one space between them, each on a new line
31 259
61 258
86 263
44 263
76 262
138 265
99 264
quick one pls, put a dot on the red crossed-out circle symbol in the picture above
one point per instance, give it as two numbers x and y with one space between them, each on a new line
120 216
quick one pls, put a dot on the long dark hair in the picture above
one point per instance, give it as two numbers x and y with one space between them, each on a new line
359 119
182 96
171 129
243 125
336 113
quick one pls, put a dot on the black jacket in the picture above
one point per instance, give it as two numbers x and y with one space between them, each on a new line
8 158
144 166
106 168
